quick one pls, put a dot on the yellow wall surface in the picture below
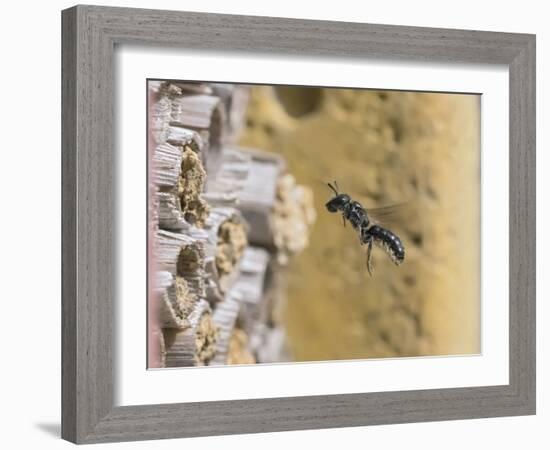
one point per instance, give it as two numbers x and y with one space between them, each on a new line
420 149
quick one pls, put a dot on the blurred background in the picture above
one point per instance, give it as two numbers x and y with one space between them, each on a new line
383 147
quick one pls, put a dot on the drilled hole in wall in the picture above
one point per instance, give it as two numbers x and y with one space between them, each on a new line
299 101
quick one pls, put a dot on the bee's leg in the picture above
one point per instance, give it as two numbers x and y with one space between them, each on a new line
364 236
344 220
369 255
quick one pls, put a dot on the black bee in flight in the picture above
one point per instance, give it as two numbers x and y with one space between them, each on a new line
369 233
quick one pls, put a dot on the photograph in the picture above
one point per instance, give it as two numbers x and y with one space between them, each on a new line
279 223
295 224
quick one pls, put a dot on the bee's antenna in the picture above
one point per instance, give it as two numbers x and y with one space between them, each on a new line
336 184
333 188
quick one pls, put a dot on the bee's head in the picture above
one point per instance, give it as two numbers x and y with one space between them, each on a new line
337 203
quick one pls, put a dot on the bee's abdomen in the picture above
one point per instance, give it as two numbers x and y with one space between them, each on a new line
389 241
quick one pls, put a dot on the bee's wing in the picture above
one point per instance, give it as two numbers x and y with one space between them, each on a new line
391 214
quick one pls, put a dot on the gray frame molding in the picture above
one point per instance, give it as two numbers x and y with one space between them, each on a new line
89 36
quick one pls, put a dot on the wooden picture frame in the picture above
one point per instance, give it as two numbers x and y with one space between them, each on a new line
90 34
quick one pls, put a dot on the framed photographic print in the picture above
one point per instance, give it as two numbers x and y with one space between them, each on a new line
278 224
